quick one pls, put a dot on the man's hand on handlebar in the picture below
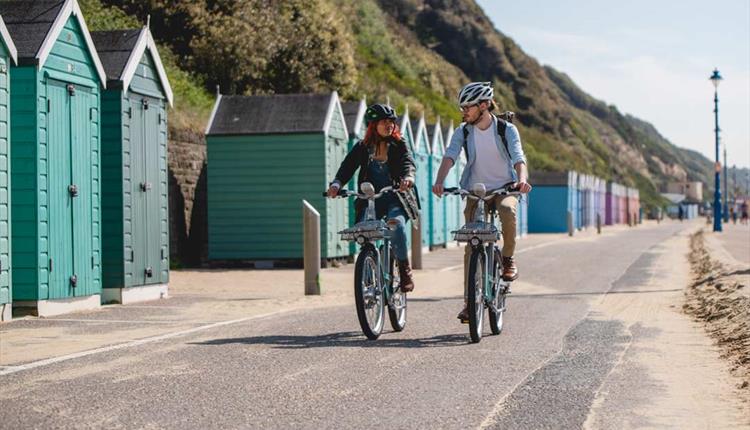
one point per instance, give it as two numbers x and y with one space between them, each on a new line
522 186
438 189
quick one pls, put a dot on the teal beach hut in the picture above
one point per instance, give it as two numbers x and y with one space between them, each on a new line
454 204
55 153
8 57
354 115
422 181
404 124
265 155
135 230
439 205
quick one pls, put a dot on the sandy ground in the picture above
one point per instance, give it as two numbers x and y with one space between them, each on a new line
666 349
720 297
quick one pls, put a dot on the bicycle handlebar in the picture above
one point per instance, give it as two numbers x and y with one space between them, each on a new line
343 193
503 191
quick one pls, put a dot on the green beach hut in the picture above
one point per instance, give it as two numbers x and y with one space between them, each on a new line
454 214
55 153
423 161
265 155
354 115
439 205
135 231
8 57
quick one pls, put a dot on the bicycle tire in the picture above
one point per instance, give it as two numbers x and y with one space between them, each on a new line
366 278
496 313
397 316
475 295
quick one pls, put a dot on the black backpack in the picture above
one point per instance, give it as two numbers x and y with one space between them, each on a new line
502 124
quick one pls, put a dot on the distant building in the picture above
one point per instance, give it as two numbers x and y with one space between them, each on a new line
693 191
677 201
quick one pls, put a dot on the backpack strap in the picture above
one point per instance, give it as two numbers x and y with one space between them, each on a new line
502 125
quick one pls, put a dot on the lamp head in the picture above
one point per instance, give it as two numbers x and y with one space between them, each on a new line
716 78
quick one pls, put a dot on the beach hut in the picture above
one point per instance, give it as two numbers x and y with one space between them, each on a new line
555 194
8 57
439 205
423 160
404 124
135 230
265 155
622 204
354 115
453 204
55 153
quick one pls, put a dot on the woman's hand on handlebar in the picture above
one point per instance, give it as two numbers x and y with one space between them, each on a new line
333 190
406 184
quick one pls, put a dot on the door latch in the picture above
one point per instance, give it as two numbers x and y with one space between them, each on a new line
73 281
71 89
145 186
73 190
149 272
145 104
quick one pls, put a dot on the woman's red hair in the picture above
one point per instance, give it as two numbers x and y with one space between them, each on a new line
372 136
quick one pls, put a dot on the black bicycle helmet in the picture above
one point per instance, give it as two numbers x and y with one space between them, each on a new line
377 112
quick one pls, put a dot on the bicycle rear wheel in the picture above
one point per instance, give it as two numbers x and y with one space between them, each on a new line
397 305
475 299
497 309
368 293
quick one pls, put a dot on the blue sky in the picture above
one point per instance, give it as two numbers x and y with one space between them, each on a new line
651 59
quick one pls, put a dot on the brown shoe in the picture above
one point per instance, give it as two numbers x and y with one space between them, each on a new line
404 272
510 271
464 315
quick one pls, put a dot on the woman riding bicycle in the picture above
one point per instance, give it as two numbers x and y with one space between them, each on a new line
383 159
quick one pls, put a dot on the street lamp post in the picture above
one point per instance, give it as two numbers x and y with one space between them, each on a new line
715 79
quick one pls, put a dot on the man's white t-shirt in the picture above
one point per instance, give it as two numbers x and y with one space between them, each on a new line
491 164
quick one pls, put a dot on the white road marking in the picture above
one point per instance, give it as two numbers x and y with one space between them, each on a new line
7 370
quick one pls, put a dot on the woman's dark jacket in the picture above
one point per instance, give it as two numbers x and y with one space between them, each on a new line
400 164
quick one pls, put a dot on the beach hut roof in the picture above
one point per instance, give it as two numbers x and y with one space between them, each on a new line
272 114
121 51
36 25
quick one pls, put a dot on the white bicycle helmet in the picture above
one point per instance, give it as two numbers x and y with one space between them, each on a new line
474 93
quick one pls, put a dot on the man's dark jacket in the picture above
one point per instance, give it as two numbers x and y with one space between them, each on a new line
400 164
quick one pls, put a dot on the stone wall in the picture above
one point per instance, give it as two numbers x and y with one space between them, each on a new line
187 197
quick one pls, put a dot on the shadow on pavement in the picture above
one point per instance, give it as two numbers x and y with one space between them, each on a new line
343 339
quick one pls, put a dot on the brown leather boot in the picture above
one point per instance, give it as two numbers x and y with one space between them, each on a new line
404 272
510 271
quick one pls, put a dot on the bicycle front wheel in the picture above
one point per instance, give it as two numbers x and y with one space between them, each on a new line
475 299
368 293
397 305
498 302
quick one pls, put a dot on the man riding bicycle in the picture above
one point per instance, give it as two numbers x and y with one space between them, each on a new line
383 159
494 158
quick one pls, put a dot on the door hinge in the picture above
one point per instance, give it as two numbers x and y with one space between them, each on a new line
91 114
92 262
129 112
49 105
50 265
132 255
162 253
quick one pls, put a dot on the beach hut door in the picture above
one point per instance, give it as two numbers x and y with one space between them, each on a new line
69 156
144 138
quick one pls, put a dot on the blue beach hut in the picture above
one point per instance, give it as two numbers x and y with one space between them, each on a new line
557 194
438 221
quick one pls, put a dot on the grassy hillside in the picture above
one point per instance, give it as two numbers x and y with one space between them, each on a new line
415 52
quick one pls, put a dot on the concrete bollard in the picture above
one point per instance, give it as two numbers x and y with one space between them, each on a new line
311 232
416 245
571 229
598 224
